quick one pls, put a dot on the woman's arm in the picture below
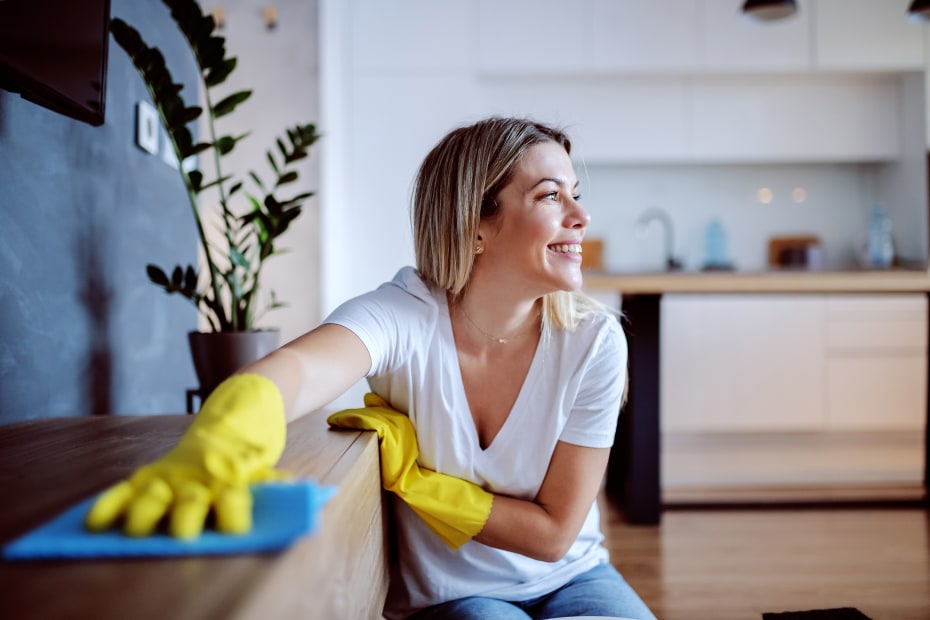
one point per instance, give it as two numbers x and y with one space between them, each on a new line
315 368
545 528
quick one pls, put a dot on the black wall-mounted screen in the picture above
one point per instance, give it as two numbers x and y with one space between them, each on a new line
54 53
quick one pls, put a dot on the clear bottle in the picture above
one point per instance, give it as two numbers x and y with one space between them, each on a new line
880 247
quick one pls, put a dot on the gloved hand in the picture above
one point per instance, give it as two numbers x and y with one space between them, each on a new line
455 509
234 441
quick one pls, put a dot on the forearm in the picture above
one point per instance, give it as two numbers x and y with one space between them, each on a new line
546 527
314 369
528 528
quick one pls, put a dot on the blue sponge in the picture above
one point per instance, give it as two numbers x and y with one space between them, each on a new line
282 513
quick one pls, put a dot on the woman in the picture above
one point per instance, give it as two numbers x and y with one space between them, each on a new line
511 378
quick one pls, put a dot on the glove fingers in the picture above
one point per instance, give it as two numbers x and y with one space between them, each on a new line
270 475
234 510
147 509
109 506
190 510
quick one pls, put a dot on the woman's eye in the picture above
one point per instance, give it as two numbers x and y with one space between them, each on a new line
576 197
552 196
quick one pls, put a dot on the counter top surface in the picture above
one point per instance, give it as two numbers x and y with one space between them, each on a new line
48 465
788 281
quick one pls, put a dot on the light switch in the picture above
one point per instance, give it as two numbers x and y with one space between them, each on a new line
147 127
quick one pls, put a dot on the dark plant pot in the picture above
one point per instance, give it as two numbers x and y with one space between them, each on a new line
218 355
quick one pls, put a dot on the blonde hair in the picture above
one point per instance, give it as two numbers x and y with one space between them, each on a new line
456 186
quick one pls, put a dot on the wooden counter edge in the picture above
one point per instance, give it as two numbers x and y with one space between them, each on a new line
340 571
892 281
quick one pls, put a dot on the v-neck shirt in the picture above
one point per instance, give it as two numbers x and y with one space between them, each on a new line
572 392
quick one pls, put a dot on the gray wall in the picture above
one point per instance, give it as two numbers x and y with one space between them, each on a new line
82 211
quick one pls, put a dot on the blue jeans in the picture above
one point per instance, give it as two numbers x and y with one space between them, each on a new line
599 592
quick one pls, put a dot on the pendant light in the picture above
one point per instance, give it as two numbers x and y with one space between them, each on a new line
769 10
919 11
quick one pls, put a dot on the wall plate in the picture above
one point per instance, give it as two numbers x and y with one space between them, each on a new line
147 127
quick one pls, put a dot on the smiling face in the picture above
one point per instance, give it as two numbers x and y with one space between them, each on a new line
535 237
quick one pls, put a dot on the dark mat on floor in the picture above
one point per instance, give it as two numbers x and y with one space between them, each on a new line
840 613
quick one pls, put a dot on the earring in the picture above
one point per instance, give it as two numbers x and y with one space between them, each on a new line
479 249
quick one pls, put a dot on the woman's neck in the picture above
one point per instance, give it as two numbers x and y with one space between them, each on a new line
495 318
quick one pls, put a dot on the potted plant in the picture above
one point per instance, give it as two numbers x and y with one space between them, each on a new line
227 292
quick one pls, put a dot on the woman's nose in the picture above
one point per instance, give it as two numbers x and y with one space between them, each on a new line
579 217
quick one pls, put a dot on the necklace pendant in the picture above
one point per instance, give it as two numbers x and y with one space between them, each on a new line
503 340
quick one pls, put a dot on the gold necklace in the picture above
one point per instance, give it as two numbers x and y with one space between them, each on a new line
492 337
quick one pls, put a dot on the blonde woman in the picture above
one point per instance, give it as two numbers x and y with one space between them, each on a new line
501 382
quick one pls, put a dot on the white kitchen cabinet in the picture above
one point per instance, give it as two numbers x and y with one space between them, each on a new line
392 36
792 392
876 356
794 362
731 41
531 36
658 36
796 118
737 363
609 119
866 35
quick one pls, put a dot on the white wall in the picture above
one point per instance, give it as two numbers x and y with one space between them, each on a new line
280 66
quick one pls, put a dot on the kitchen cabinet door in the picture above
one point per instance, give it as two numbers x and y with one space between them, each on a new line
796 118
628 119
731 41
876 347
739 363
532 36
866 35
392 36
658 36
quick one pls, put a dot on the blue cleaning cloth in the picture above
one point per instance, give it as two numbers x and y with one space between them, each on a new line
282 513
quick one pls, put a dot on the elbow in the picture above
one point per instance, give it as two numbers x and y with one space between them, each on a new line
552 548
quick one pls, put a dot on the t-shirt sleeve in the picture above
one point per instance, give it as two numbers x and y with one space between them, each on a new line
593 418
389 319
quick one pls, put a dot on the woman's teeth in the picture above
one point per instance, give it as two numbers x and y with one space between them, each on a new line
571 248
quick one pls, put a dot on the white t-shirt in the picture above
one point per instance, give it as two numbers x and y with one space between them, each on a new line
572 393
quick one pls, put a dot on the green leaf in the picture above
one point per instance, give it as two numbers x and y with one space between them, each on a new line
238 258
287 177
190 278
225 144
196 177
157 275
273 163
219 72
216 182
257 180
229 104
177 276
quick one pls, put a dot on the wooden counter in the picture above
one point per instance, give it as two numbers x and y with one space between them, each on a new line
339 572
890 281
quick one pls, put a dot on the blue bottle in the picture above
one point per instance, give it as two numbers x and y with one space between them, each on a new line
715 246
880 246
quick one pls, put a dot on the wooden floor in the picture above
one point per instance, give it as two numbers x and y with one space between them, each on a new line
735 564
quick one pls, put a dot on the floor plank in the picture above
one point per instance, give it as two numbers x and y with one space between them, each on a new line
735 564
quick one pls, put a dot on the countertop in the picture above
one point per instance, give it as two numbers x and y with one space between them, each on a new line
339 572
785 281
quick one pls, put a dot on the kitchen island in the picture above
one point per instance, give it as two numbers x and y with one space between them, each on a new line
633 478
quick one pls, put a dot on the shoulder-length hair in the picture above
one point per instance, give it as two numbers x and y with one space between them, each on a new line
456 186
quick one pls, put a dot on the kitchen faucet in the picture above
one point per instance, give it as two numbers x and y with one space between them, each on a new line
657 214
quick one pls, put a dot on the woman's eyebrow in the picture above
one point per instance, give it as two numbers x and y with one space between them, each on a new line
557 181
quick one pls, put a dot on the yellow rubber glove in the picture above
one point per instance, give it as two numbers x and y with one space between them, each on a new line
455 509
234 441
